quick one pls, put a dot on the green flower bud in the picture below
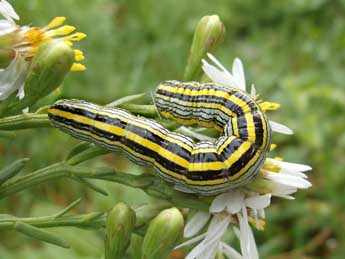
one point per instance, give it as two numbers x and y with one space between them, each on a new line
119 226
7 52
6 56
163 234
208 34
49 67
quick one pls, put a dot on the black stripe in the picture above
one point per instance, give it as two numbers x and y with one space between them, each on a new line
167 163
259 130
242 127
244 159
247 100
233 107
129 127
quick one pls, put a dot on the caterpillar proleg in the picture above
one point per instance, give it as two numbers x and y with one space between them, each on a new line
203 167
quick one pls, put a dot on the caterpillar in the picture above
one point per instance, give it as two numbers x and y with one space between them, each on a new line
203 167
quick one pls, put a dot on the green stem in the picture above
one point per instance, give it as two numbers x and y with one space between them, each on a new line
42 175
141 109
25 121
149 183
89 220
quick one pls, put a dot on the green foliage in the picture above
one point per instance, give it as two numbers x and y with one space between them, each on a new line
294 52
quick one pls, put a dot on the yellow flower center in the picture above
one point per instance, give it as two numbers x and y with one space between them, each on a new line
35 36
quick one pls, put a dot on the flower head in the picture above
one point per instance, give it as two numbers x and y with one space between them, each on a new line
19 44
245 204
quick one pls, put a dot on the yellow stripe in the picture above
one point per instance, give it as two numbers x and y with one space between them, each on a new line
247 166
219 165
207 124
129 150
250 127
196 92
208 105
265 139
234 157
225 144
121 132
235 127
136 123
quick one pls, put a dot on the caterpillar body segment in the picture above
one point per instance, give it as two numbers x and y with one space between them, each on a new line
203 167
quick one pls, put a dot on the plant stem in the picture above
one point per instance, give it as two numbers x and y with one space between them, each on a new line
25 121
149 183
89 220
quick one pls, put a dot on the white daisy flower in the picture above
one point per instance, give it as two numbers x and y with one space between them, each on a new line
220 75
21 44
245 204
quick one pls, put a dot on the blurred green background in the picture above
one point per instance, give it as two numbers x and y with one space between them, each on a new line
294 52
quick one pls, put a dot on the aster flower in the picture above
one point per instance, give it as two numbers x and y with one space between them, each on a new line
19 44
245 204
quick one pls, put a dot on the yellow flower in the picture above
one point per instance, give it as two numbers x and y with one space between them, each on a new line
33 37
19 44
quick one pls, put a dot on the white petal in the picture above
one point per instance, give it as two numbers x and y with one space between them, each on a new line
196 223
7 10
12 78
6 27
213 58
287 197
292 172
261 213
21 92
217 228
238 74
282 189
280 128
231 201
248 245
210 252
230 252
219 203
293 166
199 249
218 76
289 180
258 202
191 241
253 92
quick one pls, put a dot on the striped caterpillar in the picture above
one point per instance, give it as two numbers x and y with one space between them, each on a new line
203 167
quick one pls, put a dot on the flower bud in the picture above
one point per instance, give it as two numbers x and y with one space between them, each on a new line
163 234
6 56
208 34
49 67
119 226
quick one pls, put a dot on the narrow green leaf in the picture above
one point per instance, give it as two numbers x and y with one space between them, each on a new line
80 147
68 208
147 110
39 234
126 99
87 154
91 185
12 170
24 121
